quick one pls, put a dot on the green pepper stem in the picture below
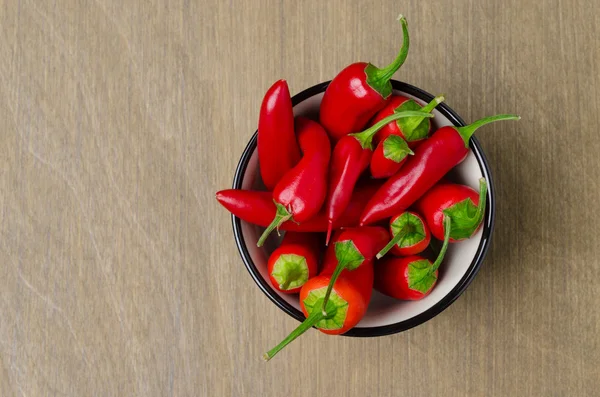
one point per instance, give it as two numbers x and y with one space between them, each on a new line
386 73
310 321
398 239
468 130
434 102
313 318
440 257
336 273
286 284
281 215
481 205
365 138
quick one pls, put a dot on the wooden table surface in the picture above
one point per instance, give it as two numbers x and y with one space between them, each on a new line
119 275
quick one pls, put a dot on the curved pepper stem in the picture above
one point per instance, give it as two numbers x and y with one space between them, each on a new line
468 130
282 215
481 204
365 138
379 79
440 257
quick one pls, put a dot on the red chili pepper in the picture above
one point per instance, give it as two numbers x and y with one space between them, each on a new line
301 192
278 151
411 235
353 287
257 207
413 130
409 278
446 148
351 156
400 137
462 204
391 129
346 307
353 247
294 262
389 156
358 92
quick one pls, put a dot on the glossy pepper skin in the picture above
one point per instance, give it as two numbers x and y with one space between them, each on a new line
350 158
358 92
413 131
278 150
431 161
353 247
389 156
301 192
394 147
393 277
392 128
294 262
257 207
412 277
462 204
346 307
445 149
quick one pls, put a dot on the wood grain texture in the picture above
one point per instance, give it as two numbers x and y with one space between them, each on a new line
119 275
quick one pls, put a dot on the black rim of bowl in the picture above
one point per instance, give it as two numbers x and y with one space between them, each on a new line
433 311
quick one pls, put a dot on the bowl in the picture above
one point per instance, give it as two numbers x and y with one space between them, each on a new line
385 315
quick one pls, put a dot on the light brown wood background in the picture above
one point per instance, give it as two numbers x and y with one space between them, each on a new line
120 119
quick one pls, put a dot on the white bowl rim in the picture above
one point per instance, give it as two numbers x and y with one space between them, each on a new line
448 299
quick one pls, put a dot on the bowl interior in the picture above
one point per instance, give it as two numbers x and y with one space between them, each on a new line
383 311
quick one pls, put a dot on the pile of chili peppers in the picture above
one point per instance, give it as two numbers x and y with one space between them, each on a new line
372 158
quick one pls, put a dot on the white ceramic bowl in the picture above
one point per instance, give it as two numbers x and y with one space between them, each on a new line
385 315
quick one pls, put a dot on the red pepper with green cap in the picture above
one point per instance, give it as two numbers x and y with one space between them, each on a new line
294 262
346 307
413 131
410 235
400 137
445 149
462 204
358 92
347 302
350 158
389 156
411 277
353 247
299 195
453 212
